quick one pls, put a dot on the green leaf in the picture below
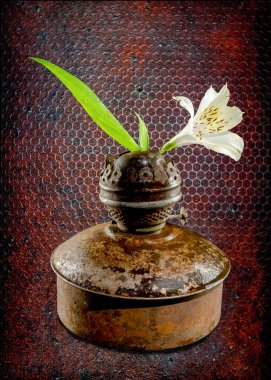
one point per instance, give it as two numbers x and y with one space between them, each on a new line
144 140
168 146
92 105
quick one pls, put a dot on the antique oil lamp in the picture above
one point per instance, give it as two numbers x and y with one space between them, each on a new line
139 282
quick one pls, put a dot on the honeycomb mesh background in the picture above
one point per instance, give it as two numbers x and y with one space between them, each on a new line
135 55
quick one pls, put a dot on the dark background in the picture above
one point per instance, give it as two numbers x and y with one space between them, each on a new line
135 55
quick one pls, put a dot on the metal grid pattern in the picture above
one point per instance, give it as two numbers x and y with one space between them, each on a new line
135 55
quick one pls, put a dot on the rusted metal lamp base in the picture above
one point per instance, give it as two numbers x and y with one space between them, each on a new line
138 324
146 292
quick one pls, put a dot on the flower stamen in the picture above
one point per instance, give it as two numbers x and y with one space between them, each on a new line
211 125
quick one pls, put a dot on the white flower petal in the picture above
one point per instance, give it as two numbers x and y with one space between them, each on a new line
217 117
228 143
222 97
212 98
232 116
178 141
184 140
187 130
215 121
227 150
209 96
185 103
211 124
228 138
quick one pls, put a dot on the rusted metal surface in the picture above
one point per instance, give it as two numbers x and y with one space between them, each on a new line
134 324
161 290
140 190
173 263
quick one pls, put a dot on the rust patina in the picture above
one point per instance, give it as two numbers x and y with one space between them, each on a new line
149 292
139 282
176 262
138 324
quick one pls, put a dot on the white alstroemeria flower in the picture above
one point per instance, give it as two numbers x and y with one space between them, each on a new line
211 124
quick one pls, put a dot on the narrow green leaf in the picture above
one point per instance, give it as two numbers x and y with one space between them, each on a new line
168 146
92 105
144 140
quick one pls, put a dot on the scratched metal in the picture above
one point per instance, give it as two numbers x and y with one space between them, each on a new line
173 263
135 55
138 324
